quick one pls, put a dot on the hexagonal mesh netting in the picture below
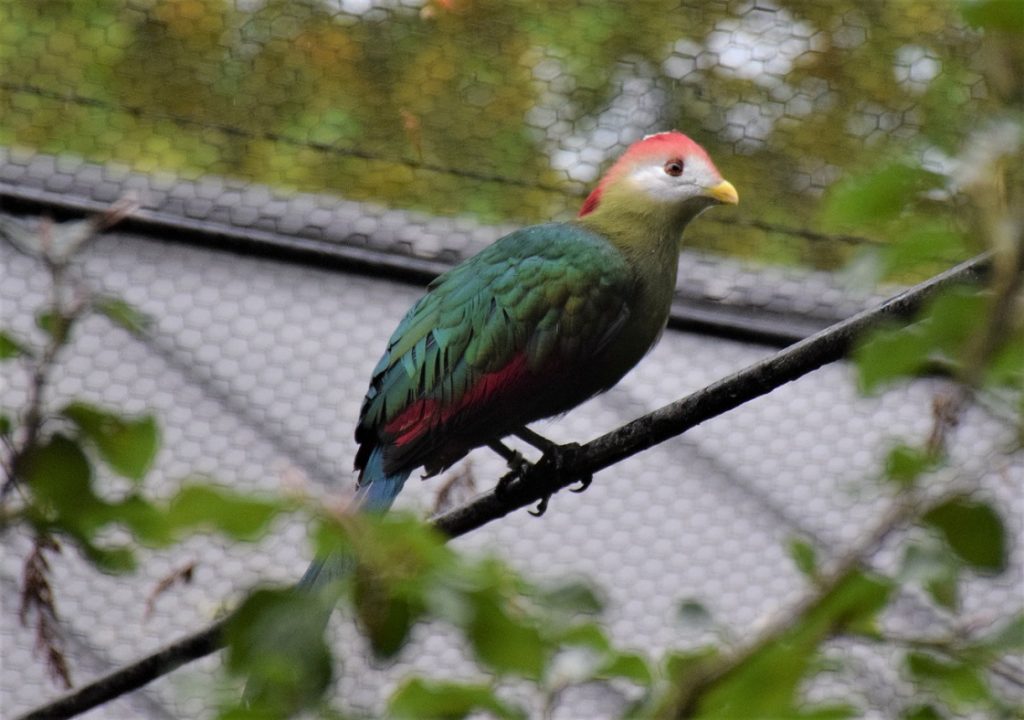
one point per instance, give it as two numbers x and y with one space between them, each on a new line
504 110
341 148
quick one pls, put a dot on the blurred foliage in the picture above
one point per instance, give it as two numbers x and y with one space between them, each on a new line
402 574
505 109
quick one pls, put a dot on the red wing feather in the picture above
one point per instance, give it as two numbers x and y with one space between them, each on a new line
429 414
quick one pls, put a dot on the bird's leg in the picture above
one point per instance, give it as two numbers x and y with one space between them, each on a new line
514 458
558 457
536 439
517 464
555 452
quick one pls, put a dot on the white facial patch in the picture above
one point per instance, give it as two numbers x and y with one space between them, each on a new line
652 180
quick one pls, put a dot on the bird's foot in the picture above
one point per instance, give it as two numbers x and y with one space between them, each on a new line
542 507
505 481
584 483
517 465
559 458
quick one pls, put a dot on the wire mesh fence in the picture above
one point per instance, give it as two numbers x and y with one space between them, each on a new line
405 132
503 110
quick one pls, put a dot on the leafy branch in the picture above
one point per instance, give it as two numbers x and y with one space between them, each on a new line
545 478
49 459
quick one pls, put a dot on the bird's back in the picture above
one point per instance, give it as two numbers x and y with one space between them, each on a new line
514 334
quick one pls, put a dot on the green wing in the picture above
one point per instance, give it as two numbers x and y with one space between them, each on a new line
490 346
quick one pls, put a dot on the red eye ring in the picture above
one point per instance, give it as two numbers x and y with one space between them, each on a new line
674 168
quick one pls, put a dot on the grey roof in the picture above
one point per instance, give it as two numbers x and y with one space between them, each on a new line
261 219
256 370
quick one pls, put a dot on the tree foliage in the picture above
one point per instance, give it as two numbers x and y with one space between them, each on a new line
463 106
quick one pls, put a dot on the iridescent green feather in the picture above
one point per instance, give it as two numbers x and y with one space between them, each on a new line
557 292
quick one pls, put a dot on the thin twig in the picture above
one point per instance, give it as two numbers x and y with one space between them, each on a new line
37 598
544 479
62 319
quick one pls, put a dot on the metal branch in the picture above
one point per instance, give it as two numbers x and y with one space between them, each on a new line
544 479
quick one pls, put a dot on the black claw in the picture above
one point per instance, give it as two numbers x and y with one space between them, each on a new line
542 507
505 481
584 483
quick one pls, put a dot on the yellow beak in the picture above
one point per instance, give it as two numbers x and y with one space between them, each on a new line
724 192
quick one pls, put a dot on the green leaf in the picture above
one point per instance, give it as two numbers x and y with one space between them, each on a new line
694 614
926 241
6 426
827 712
929 564
575 597
850 606
873 197
922 712
629 666
1006 369
128 445
11 347
891 354
238 516
505 642
905 464
1008 638
953 318
419 698
1004 15
109 559
942 332
959 684
123 314
387 617
147 522
589 635
805 557
276 640
60 477
681 665
52 324
973 530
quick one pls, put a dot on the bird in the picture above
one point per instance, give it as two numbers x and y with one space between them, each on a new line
532 326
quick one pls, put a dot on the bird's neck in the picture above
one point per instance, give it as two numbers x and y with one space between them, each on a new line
644 231
648 235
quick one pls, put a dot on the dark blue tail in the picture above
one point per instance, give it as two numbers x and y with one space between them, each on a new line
377 491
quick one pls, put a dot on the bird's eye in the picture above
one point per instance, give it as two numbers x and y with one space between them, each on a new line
674 168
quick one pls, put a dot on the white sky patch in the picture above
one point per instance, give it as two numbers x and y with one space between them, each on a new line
749 124
763 44
580 146
683 59
361 7
249 5
915 67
